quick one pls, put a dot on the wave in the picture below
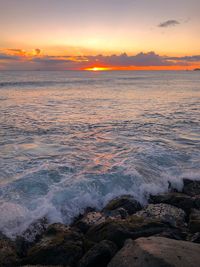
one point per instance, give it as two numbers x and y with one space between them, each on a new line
51 83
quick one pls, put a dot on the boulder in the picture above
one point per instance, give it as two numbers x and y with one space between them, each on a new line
30 236
89 219
178 200
164 213
195 238
119 213
99 255
190 187
126 202
60 245
118 231
42 266
157 251
8 255
174 233
194 221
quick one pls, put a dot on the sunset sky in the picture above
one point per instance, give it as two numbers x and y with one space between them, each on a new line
87 34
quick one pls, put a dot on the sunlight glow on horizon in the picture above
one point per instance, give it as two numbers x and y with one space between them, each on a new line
65 33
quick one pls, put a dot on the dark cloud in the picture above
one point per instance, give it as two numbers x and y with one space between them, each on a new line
186 58
169 23
37 51
141 59
8 57
52 60
46 62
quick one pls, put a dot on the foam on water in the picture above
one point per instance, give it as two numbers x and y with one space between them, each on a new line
67 145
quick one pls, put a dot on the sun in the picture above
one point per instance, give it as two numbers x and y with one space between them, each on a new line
97 68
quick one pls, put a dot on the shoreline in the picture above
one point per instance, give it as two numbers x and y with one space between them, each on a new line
92 235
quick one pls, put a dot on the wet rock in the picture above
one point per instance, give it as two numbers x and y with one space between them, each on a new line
174 233
42 266
99 255
88 220
164 213
126 202
195 238
197 201
94 218
60 245
178 200
35 230
194 221
32 235
119 213
157 251
118 231
191 188
8 255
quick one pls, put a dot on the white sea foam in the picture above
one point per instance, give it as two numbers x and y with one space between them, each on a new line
86 138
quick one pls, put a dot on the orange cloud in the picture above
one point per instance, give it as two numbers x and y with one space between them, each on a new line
23 53
35 59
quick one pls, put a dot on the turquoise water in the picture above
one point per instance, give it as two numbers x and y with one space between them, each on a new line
75 139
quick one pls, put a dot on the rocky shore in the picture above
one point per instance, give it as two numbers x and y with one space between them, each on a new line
166 232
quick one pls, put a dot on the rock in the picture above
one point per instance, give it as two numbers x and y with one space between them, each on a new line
164 213
8 255
35 230
94 218
157 252
178 200
99 255
118 231
194 221
30 236
126 202
60 245
119 213
88 220
191 188
197 201
42 266
174 233
195 238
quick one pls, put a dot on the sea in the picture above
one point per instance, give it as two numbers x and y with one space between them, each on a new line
76 139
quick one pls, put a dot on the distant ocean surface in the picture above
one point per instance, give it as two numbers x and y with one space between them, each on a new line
69 140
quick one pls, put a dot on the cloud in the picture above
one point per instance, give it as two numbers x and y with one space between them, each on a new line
186 58
37 51
8 57
141 59
15 59
169 23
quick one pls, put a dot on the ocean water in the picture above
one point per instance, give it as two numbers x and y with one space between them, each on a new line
69 140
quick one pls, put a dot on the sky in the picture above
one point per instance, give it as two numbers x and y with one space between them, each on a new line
107 34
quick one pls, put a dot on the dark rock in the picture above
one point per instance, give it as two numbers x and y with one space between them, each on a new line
194 221
119 213
118 231
174 233
126 202
42 266
32 235
197 201
191 188
164 213
178 200
157 252
195 238
8 255
94 218
88 220
99 255
60 245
